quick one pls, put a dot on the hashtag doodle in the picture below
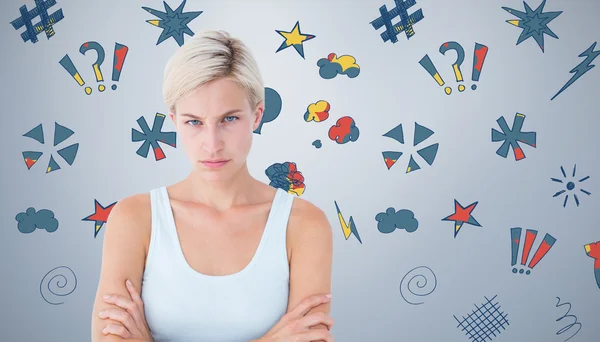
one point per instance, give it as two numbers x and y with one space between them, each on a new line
406 21
45 24
483 323
568 327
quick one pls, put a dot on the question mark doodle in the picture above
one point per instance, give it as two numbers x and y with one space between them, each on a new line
65 291
423 291
118 60
479 55
100 51
460 58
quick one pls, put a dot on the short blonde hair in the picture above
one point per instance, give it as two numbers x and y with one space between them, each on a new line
208 55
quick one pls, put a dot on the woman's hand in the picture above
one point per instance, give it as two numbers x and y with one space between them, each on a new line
130 314
294 326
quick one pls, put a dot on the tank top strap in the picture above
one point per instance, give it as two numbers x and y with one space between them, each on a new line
162 215
282 209
277 223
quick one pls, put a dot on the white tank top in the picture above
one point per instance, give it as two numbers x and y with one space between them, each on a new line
182 304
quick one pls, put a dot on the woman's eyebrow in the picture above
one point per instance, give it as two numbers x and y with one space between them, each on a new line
227 113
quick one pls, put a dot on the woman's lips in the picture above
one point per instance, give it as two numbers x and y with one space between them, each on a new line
214 164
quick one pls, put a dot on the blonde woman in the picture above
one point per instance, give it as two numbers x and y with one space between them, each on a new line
218 256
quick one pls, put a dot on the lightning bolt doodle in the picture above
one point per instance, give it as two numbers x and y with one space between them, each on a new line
581 68
347 228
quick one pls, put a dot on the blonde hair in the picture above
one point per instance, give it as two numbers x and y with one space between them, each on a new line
209 55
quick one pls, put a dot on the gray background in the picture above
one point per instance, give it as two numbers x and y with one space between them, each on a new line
392 88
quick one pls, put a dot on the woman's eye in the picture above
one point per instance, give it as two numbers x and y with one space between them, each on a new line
230 118
193 122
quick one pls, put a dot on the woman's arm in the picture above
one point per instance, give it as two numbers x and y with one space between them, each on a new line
126 235
310 237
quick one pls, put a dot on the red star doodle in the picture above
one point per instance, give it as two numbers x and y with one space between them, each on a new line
462 215
100 215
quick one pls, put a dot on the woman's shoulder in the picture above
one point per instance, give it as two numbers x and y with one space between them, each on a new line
305 214
132 206
131 217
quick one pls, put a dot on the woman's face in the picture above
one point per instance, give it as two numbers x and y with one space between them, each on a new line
215 124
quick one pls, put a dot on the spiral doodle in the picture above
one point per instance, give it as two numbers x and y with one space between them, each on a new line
61 283
424 275
573 317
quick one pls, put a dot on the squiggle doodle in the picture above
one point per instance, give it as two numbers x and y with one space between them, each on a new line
422 288
64 291
568 327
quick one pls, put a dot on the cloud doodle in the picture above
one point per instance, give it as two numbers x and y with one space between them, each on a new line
593 251
30 220
390 220
287 177
344 130
317 112
333 65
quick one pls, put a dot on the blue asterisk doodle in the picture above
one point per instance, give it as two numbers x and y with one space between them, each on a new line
173 23
512 136
533 23
151 137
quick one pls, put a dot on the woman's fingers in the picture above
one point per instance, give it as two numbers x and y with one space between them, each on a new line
116 329
315 335
315 319
308 303
134 293
121 316
120 301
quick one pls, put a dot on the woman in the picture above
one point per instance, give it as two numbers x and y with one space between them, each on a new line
218 256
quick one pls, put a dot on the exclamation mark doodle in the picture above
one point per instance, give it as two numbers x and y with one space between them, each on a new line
478 58
515 238
118 60
427 64
68 65
530 235
544 247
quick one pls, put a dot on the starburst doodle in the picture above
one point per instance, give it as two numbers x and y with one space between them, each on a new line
533 23
571 185
174 23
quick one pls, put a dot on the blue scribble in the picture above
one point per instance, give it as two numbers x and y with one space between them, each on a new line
568 327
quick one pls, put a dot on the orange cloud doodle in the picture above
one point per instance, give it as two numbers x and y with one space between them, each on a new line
317 112
333 65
